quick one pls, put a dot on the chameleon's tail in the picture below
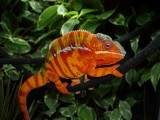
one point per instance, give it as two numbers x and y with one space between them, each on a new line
34 81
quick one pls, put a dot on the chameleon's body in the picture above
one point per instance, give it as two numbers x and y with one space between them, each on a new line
71 56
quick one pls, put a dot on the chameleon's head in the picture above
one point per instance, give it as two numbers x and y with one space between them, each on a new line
107 51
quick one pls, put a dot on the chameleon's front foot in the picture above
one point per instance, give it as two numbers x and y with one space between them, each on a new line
116 72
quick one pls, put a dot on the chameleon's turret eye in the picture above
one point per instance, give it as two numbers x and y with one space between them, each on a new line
107 45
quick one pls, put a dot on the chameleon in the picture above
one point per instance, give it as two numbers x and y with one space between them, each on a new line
72 55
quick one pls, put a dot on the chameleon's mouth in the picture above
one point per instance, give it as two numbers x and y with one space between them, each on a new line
121 55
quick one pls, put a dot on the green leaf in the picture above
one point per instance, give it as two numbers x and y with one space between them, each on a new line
68 98
68 111
130 101
17 45
96 4
155 74
46 17
10 21
125 110
131 76
118 19
90 25
154 57
144 18
105 15
115 114
69 25
106 102
51 99
77 4
50 112
6 30
30 16
11 72
134 44
86 113
145 77
61 10
36 6
86 11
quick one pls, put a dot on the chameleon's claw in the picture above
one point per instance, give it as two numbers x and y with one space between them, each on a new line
63 89
75 82
116 72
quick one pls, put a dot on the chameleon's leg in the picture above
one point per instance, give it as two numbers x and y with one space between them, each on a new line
34 81
99 72
77 81
59 85
86 79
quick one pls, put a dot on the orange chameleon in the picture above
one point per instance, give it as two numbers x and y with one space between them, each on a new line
71 56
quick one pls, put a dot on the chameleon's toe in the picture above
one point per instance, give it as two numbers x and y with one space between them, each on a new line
115 72
86 80
75 82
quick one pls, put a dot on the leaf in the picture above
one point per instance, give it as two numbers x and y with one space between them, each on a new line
68 26
61 10
125 110
10 21
68 98
77 5
86 11
96 4
115 115
30 16
6 30
145 77
106 14
130 101
11 72
155 74
153 56
134 44
46 17
118 19
36 6
51 99
17 45
68 111
90 25
106 102
86 113
131 76
144 18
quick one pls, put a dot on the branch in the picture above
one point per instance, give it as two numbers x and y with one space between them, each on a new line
131 63
138 31
24 71
16 61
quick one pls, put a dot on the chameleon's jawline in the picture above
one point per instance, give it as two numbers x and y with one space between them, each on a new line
111 53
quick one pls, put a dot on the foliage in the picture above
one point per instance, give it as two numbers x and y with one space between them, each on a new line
28 28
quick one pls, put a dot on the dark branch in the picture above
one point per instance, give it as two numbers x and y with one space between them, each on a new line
131 63
25 72
16 61
138 31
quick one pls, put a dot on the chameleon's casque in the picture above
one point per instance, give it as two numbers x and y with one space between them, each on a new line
71 56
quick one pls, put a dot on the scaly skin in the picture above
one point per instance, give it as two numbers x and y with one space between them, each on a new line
71 56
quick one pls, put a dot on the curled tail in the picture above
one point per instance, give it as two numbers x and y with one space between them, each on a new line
33 82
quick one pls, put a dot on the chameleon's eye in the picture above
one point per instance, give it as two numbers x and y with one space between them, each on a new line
107 45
